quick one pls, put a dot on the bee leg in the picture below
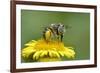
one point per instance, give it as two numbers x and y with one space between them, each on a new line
44 37
61 37
58 38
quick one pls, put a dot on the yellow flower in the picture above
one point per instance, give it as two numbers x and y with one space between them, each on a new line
43 51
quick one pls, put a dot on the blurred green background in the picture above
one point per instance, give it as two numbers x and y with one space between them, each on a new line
78 36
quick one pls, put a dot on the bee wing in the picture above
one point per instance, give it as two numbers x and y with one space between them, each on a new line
67 26
64 30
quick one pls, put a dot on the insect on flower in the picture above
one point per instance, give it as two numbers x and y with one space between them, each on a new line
56 30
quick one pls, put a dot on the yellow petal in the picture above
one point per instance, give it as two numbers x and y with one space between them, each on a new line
61 53
51 54
37 54
56 53
43 53
26 52
68 54
32 43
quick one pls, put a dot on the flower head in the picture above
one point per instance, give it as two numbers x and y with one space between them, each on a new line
47 51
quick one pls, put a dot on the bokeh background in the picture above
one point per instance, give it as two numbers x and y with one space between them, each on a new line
78 36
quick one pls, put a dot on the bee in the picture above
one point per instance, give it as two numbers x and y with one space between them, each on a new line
58 30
